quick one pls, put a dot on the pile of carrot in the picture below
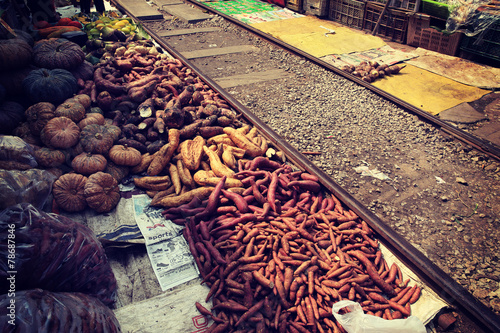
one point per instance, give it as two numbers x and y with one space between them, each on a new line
277 256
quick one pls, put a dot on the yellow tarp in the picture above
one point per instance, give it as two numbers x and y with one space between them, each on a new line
306 33
428 91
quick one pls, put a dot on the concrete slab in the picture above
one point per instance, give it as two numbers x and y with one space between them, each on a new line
161 3
462 113
141 9
490 132
179 32
250 78
187 13
219 51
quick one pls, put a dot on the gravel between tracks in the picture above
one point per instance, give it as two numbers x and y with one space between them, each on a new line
441 195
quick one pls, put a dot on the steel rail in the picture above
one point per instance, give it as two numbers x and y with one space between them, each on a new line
480 144
427 271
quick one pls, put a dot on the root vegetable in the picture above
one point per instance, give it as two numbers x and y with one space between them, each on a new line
174 201
241 141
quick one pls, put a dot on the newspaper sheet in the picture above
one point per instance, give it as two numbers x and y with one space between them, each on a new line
167 249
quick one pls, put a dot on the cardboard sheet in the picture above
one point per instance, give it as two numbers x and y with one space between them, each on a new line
428 91
310 34
457 69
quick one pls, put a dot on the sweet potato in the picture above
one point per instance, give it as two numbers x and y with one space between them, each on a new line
241 141
174 201
210 131
165 153
153 183
176 179
144 164
229 159
205 178
216 165
191 152
185 174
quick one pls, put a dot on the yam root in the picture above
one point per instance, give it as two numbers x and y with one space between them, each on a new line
175 201
153 183
164 155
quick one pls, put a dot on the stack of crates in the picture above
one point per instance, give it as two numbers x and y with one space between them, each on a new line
421 35
317 8
394 23
347 12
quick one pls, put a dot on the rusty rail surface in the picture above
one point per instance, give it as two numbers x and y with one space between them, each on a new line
433 276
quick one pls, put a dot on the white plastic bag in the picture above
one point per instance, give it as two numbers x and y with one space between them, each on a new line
358 322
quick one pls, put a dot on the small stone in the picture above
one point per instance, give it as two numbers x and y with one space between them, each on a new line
475 240
495 304
461 180
444 198
480 293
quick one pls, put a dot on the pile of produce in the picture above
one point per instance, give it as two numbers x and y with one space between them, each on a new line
372 70
280 254
275 248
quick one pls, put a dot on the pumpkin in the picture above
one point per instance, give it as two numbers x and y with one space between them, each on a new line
85 71
46 85
83 99
25 36
60 132
124 155
38 115
57 53
102 192
72 109
96 139
88 163
91 118
23 131
115 131
11 114
68 192
117 171
14 53
49 158
75 151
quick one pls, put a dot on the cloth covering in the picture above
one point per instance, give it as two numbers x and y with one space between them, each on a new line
310 34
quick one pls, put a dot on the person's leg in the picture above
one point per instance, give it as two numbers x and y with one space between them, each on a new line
99 5
85 6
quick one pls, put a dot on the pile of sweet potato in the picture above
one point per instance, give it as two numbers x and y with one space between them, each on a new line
146 93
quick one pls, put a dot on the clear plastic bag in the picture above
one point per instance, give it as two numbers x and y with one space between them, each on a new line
39 310
356 321
15 153
54 253
31 186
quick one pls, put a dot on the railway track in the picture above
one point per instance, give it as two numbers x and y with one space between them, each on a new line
246 70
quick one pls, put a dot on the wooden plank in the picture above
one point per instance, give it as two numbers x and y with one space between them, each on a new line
140 9
250 78
219 51
179 32
187 13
